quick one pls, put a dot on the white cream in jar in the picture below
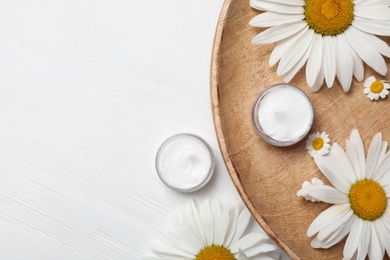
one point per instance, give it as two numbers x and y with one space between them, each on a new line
282 115
185 162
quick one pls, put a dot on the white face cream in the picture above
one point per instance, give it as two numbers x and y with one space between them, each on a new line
185 162
282 115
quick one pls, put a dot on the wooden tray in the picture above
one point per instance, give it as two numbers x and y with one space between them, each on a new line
268 177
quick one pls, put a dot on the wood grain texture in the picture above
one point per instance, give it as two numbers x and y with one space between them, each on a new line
268 177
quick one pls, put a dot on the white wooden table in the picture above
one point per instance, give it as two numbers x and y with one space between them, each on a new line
89 89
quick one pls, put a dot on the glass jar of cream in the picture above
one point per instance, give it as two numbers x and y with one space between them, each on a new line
282 115
185 162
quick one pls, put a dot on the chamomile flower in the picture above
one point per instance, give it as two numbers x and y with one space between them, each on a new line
376 88
209 230
361 198
333 38
314 181
318 143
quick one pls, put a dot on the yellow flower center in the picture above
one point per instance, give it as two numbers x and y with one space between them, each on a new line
215 253
377 87
329 17
368 199
318 143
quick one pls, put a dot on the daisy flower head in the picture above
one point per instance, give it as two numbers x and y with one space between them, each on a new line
333 38
209 230
318 143
360 196
374 88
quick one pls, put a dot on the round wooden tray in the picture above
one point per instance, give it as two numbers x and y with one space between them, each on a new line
268 177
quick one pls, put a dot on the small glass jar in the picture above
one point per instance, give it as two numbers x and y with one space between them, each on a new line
282 115
185 162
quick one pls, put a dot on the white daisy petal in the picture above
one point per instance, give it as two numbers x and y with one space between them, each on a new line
329 57
207 219
353 239
344 163
222 226
268 19
278 33
376 43
248 241
314 61
364 241
375 13
233 214
283 47
344 61
259 249
275 7
327 217
376 250
192 221
373 155
372 26
319 81
324 193
288 76
355 158
337 236
297 52
242 223
327 231
332 172
383 233
358 68
368 53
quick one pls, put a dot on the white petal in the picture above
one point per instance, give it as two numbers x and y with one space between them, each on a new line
373 155
344 60
382 169
337 236
375 13
275 7
192 221
291 73
383 233
332 171
269 19
222 226
376 250
372 26
242 223
324 193
247 241
358 68
260 248
319 81
377 43
327 217
290 2
326 232
277 33
353 239
284 46
207 219
314 61
364 240
364 49
344 163
329 60
296 53
233 216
